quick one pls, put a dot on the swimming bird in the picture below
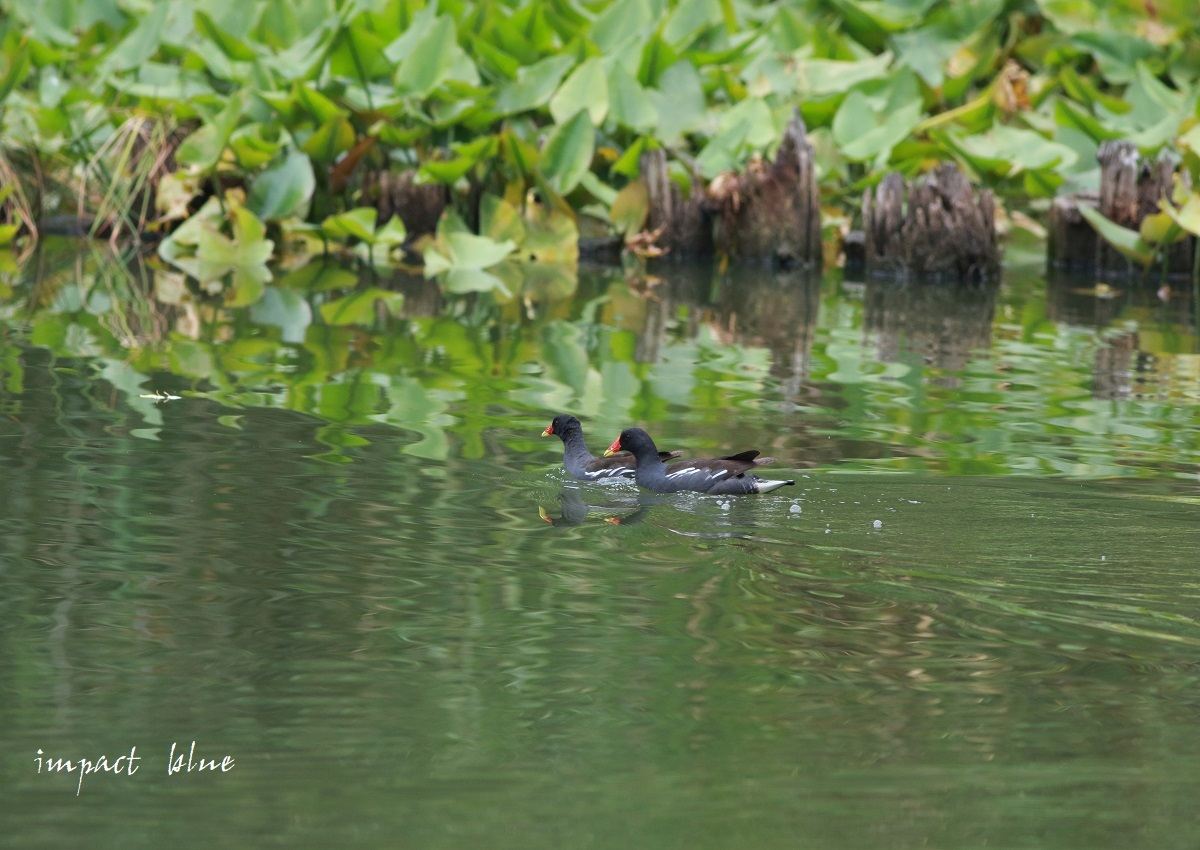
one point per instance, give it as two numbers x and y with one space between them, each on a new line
720 476
581 464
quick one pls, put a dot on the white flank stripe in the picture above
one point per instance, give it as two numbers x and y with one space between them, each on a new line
691 470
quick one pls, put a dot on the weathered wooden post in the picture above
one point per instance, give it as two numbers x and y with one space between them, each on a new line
1070 240
945 231
1130 189
771 213
685 222
419 205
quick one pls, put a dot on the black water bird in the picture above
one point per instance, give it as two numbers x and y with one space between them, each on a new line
581 464
720 476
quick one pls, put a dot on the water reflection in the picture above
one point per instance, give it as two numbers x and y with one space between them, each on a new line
947 376
1113 371
672 513
573 510
397 645
1081 300
423 297
943 326
773 310
743 306
1145 351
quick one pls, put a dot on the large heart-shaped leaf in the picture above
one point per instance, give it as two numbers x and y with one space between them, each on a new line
457 251
284 189
533 86
1128 242
629 104
142 42
430 59
568 153
586 88
679 102
203 148
353 224
234 48
1186 217
332 139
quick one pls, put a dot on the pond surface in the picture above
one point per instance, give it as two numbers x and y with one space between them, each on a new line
972 622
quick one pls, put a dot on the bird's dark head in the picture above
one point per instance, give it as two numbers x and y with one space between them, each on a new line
562 425
632 440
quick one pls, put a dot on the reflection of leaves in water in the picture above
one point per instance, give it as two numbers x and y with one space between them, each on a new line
128 381
355 398
359 308
530 253
564 356
337 438
458 258
415 408
286 310
875 396
318 276
201 248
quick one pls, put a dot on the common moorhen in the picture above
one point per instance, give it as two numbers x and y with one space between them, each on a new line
720 476
581 464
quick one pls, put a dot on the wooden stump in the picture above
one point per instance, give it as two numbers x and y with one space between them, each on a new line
1071 241
419 205
1130 189
686 225
772 213
945 231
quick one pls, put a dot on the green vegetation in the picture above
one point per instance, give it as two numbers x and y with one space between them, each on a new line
260 117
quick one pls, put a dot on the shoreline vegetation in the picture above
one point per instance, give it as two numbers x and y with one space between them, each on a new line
481 140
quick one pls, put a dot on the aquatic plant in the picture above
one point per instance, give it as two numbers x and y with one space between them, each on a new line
137 116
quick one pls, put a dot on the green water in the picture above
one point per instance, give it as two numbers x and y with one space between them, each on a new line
971 623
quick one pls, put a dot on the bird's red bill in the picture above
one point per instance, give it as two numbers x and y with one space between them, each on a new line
549 430
614 448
